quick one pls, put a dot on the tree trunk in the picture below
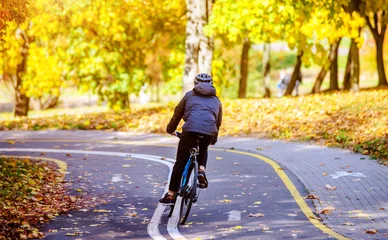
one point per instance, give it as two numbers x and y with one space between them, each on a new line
354 68
332 58
347 83
199 48
378 29
334 65
158 89
244 69
295 75
380 61
321 76
206 44
267 69
191 45
50 102
22 102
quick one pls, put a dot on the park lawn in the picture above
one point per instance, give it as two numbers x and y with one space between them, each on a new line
356 121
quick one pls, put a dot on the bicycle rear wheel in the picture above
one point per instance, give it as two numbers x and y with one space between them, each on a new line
188 195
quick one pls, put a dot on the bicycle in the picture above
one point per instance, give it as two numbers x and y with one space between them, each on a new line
189 184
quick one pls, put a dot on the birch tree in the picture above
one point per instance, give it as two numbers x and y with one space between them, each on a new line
198 46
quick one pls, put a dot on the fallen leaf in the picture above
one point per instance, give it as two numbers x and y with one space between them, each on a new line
256 215
312 196
11 142
226 200
329 187
218 158
316 218
72 234
362 215
327 210
348 224
258 202
101 210
126 165
371 231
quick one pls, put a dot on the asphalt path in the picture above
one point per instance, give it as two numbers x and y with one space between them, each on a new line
246 198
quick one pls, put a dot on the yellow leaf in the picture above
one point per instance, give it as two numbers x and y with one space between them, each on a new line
101 210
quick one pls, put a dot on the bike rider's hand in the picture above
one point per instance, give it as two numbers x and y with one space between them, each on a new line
176 134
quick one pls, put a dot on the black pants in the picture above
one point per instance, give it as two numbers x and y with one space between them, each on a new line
187 141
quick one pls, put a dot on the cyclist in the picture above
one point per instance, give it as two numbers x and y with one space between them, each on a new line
201 111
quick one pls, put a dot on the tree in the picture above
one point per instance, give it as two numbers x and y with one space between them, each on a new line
245 23
199 47
112 45
12 11
376 15
30 58
266 69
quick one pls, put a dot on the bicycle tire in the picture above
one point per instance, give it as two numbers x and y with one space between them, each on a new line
188 196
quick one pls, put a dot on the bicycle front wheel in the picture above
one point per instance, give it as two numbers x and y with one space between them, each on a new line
188 195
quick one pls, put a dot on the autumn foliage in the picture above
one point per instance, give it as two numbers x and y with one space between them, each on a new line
357 121
31 193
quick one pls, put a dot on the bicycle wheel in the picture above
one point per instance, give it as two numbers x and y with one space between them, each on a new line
188 195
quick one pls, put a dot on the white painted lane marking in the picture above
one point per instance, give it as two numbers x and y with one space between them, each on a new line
117 178
153 226
172 225
346 174
234 215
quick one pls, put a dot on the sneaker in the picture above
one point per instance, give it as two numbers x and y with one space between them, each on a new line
202 179
168 199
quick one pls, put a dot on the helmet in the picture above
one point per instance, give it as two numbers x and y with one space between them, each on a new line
203 77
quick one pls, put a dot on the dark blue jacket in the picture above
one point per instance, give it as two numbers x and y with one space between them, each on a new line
201 110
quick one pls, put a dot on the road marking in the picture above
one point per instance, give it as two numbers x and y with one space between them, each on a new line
346 174
288 183
117 178
153 226
234 215
172 225
295 193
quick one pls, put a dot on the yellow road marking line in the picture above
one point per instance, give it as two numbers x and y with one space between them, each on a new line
62 166
295 193
283 176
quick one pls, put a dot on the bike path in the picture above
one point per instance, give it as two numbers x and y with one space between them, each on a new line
296 159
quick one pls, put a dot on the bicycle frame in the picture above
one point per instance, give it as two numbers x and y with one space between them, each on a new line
188 191
189 165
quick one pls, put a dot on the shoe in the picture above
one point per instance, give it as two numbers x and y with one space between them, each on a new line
202 179
168 199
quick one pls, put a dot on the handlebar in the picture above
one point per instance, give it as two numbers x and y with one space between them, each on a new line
177 134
